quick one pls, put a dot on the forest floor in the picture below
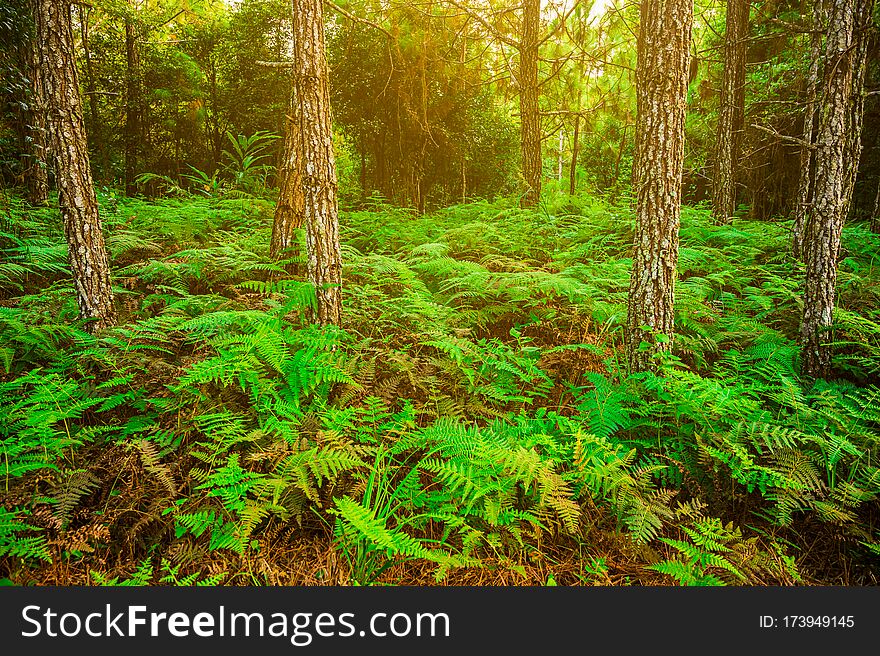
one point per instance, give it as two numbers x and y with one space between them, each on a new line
471 422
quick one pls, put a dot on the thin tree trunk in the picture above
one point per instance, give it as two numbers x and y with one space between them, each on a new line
853 147
290 210
575 145
617 161
661 82
836 155
215 103
383 186
363 171
559 157
530 115
97 138
732 111
807 160
37 169
324 265
79 207
426 136
875 214
463 180
212 122
132 130
462 85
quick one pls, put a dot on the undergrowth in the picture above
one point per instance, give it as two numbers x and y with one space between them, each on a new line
471 415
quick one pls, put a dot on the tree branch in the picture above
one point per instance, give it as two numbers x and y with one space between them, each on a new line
274 64
784 137
482 21
562 22
358 19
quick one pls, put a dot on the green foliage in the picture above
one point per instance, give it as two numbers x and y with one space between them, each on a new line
145 574
38 421
13 544
470 410
714 554
705 551
245 162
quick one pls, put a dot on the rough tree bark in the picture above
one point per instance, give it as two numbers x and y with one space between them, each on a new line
529 110
36 171
807 159
290 210
133 93
837 152
732 111
661 82
324 263
79 206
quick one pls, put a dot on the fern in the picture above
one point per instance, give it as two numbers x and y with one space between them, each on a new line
150 458
704 557
472 410
142 576
69 491
12 543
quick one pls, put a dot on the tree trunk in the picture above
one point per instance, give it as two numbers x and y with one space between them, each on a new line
289 212
37 169
363 171
381 183
807 159
732 112
212 122
661 83
875 214
853 146
621 148
79 206
96 127
835 157
559 157
572 173
132 130
530 115
324 265
463 180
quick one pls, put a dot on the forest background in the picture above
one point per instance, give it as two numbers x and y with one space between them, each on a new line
477 405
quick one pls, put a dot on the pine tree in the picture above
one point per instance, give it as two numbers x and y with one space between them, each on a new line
529 110
87 254
133 91
526 75
661 80
875 212
807 159
36 169
732 111
838 148
324 263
